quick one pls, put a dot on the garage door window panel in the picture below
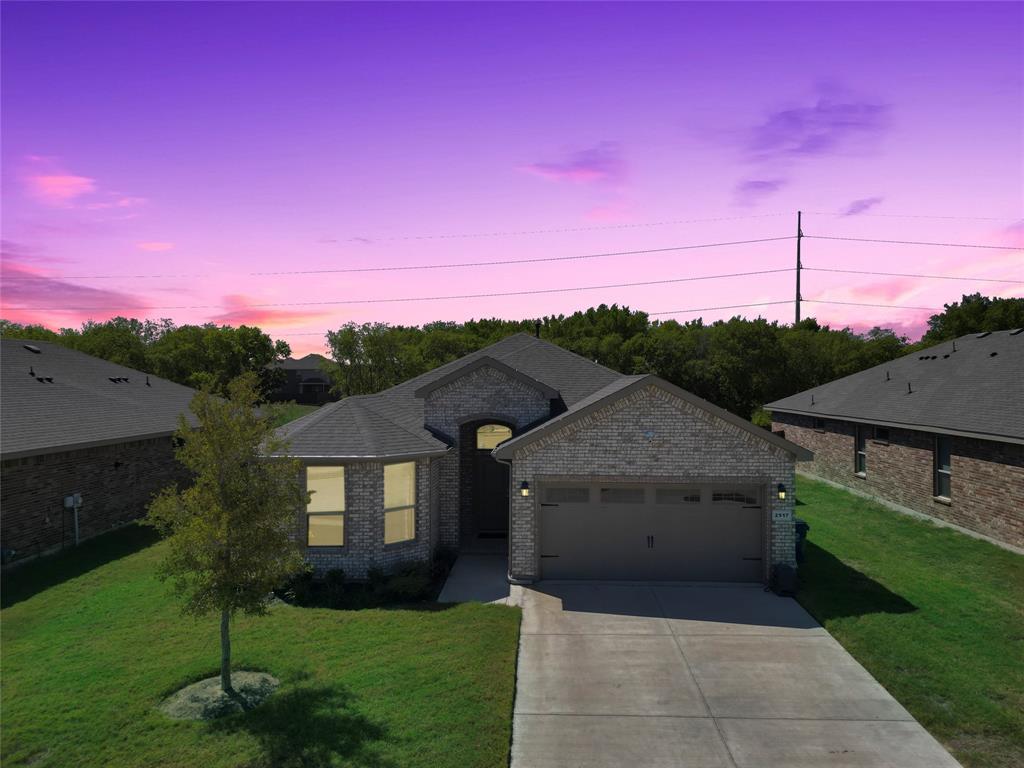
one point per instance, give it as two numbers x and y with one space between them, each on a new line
622 495
567 495
677 496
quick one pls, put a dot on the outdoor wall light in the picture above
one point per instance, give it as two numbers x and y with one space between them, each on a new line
524 488
782 492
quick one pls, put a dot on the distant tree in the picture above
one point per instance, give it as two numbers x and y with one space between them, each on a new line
974 313
230 534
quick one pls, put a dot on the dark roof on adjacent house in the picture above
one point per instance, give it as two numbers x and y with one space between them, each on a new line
390 424
334 430
973 386
310 362
58 399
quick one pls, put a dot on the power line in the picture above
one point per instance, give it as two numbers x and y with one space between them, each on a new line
907 216
727 306
451 265
859 304
917 242
907 274
596 228
531 292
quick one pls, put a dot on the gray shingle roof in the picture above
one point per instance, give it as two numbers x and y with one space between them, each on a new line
390 423
81 406
310 362
977 390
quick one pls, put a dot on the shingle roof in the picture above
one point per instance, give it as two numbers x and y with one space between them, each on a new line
81 406
390 423
976 390
310 362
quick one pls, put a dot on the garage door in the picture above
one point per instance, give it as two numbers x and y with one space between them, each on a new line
656 532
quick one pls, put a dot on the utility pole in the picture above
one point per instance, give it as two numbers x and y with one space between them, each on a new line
799 236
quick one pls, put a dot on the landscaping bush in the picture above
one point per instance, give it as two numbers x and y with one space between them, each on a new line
334 586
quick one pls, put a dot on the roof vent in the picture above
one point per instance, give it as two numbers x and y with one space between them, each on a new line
945 356
49 379
983 335
992 354
31 371
114 379
887 376
910 391
147 382
40 379
1016 331
32 348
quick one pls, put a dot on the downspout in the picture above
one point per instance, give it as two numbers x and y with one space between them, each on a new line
508 575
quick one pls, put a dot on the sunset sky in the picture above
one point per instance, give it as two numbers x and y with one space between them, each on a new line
160 159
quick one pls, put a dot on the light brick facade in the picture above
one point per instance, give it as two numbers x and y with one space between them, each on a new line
987 478
689 444
116 483
364 547
482 394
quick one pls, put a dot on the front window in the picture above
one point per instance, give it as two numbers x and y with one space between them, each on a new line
325 513
860 461
943 465
399 502
489 436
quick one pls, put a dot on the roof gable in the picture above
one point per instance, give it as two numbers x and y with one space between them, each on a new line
623 387
486 361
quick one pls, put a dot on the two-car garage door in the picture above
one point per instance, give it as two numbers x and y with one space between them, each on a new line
647 531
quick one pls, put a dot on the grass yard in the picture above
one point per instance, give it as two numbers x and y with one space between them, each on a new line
937 617
92 643
291 412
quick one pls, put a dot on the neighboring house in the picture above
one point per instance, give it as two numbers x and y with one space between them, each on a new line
73 424
939 432
304 381
584 472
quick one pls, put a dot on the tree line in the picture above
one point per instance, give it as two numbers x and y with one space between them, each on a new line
738 364
201 356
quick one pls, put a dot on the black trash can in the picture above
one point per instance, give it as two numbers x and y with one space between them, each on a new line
802 528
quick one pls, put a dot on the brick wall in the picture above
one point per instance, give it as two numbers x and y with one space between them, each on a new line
689 444
482 394
116 483
987 482
364 524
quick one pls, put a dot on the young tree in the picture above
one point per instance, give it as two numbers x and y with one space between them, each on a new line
230 533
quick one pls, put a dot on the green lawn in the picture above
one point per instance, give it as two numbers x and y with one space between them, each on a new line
291 412
91 647
937 617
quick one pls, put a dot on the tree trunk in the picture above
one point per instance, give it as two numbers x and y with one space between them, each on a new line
225 653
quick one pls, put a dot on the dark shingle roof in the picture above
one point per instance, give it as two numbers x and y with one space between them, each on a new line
310 362
81 406
976 390
390 423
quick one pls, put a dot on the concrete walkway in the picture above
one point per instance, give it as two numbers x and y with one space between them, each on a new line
478 578
667 676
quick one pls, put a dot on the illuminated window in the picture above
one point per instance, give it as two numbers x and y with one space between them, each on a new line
325 513
399 502
490 435
860 456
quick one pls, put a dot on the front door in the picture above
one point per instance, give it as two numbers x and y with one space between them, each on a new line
490 482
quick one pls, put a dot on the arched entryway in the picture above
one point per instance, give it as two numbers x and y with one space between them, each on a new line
483 480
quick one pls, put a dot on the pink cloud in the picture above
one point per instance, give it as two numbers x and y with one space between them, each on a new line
243 310
155 245
610 213
600 164
58 188
30 295
893 290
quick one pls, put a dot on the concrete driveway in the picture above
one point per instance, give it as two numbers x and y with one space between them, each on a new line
659 676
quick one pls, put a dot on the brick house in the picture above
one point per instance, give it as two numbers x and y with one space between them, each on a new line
570 468
939 432
74 424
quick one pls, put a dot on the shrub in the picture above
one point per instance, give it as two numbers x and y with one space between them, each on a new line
407 586
334 583
298 589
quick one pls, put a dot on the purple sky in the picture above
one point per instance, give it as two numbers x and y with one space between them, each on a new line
214 141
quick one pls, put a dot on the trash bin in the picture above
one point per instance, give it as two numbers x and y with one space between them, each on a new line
802 528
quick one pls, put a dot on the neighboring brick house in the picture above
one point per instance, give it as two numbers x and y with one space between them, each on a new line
304 381
74 424
938 432
572 469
